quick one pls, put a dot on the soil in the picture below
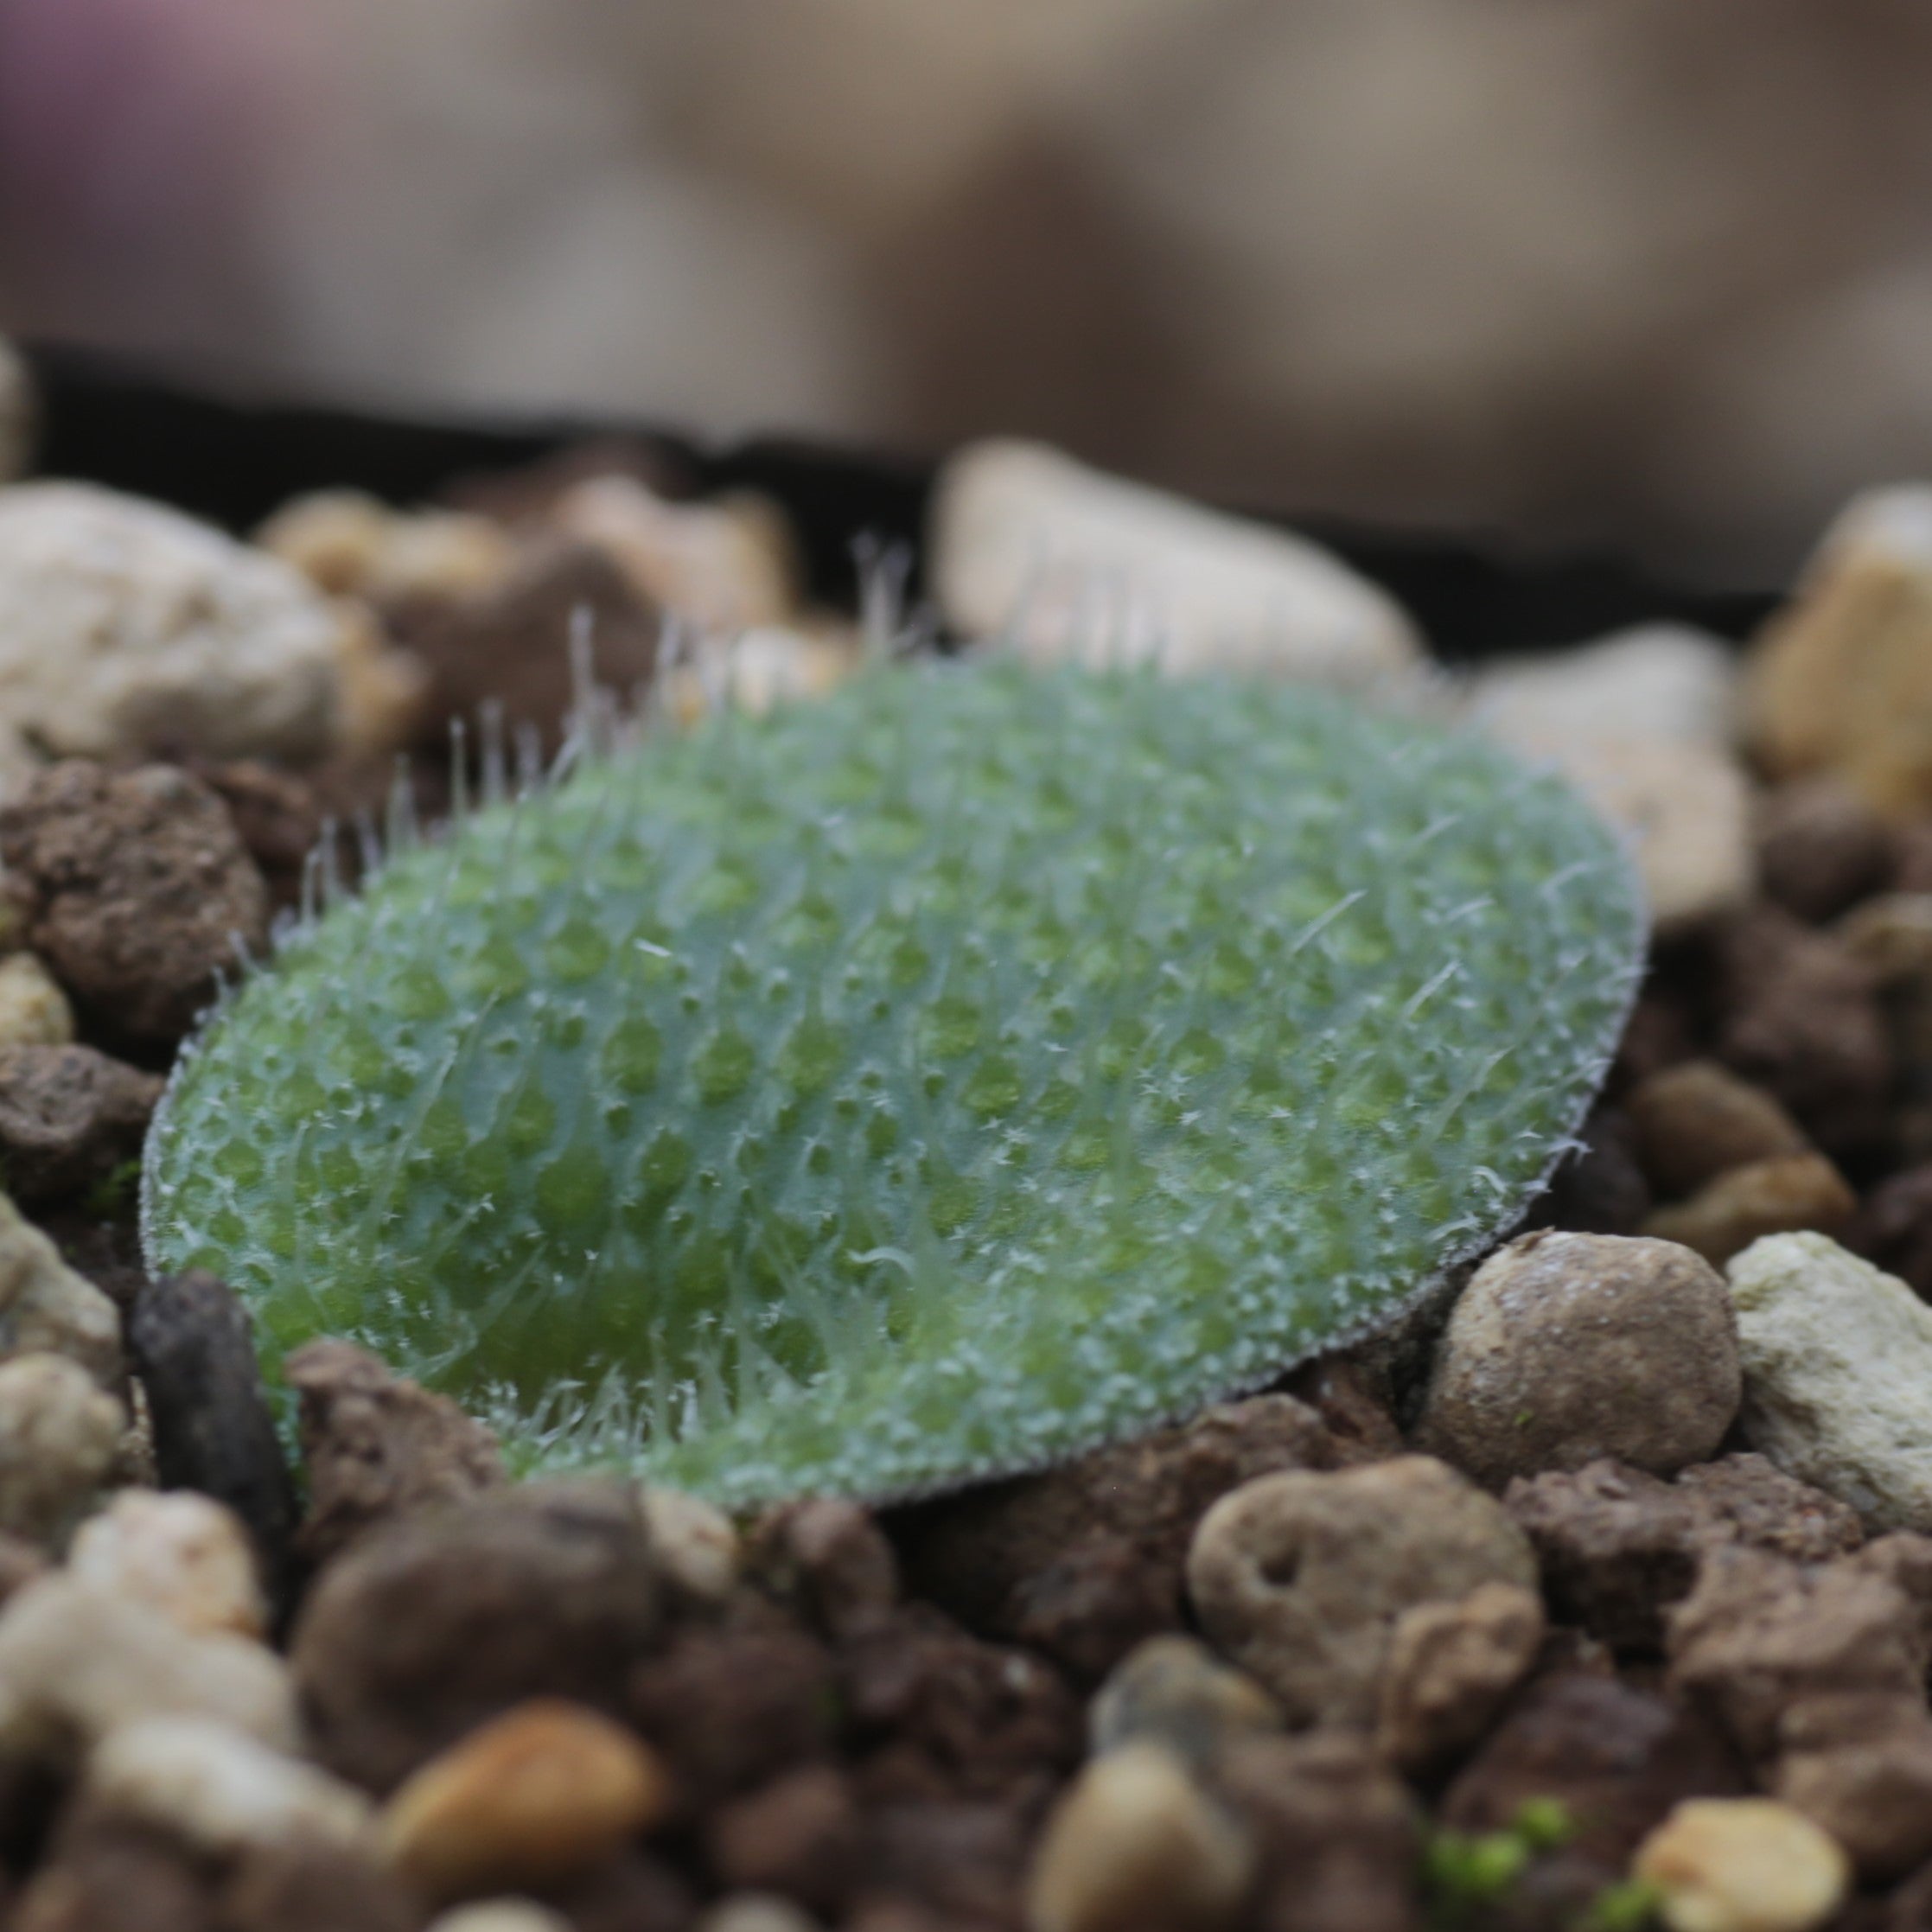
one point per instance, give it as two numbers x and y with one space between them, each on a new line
874 1721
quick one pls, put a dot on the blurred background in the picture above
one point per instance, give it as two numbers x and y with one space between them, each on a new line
1638 272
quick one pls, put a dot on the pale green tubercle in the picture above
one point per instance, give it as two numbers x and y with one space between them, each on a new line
922 1083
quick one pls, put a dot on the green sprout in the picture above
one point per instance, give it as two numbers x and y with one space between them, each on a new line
916 1085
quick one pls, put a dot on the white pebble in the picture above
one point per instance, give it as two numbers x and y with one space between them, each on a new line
59 1434
184 1554
1065 563
1742 1864
47 1308
76 1663
217 1789
127 629
1837 1358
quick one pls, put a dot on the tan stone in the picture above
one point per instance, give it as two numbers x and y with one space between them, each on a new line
1789 1195
1697 1120
723 567
531 1797
1842 681
182 1552
1066 563
34 1011
1686 807
1136 1845
1742 1864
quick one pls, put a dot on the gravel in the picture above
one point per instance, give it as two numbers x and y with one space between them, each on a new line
1603 1589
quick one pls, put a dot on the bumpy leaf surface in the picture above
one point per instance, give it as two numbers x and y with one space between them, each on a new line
922 1083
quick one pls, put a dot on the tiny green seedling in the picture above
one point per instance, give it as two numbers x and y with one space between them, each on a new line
916 1085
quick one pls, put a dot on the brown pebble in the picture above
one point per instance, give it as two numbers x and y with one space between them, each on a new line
1697 1120
538 1793
69 1117
141 887
800 1836
433 1624
1084 1561
1821 848
1792 1193
377 1446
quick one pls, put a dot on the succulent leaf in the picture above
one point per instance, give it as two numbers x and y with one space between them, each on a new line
916 1085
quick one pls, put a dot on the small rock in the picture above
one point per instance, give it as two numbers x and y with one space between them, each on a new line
193 1347
385 693
133 631
827 1555
314 1884
1686 807
753 1912
1666 682
697 1544
1904 1560
514 1914
1838 1367
730 1708
1616 1757
1787 1195
512 645
1033 548
941 1865
1450 1665
800 1836
533 1797
378 1447
1300 1578
1758 1635
1136 1845
1838 683
1565 1348
1619 1547
1861 1768
113 1876
16 413
723 567
938 1713
1336 1831
1800 1018
1173 1691
351 544
1084 1561
1893 1228
1742 1864
216 1789
45 1308
58 1438
432 1625
34 1011
1891 936
141 888
277 816
76 1664
1747 1499
1821 848
185 1555
1697 1120
70 1119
